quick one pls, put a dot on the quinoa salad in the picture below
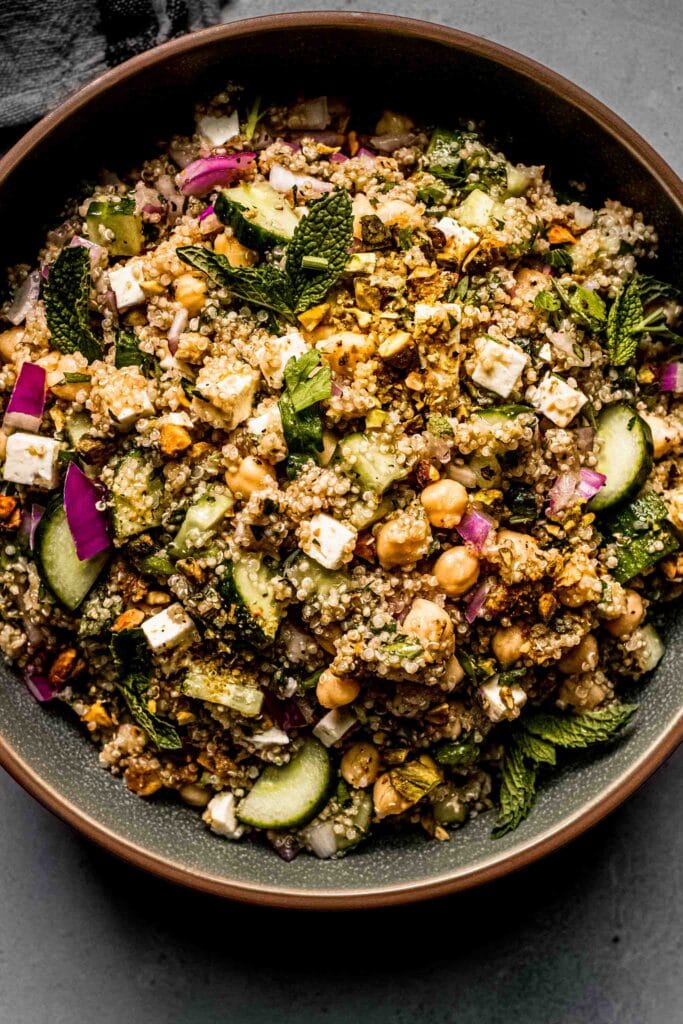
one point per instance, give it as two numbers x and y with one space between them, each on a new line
340 473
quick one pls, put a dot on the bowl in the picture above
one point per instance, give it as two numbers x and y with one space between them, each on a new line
539 117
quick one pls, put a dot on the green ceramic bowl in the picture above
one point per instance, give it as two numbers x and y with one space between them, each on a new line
432 71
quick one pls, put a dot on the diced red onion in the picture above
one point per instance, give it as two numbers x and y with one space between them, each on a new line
208 172
45 271
309 114
25 408
338 158
477 601
366 154
474 528
590 482
390 143
38 686
29 522
85 243
563 491
294 146
109 299
206 212
672 377
337 389
147 199
24 299
85 513
286 845
168 190
176 329
322 839
282 180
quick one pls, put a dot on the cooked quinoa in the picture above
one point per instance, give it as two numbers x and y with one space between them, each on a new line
341 484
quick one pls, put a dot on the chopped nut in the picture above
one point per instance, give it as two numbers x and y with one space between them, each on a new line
191 568
425 474
365 547
97 715
10 513
129 619
63 667
313 317
144 781
557 235
174 439
414 382
158 597
547 606
396 349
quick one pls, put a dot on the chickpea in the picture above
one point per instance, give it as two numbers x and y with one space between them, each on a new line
582 658
630 619
195 796
8 343
508 645
431 624
190 292
335 691
456 570
360 765
403 539
445 503
664 437
453 674
520 557
251 476
386 799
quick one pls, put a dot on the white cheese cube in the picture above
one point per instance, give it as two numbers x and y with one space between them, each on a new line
268 420
32 460
229 391
177 419
436 313
334 725
169 628
545 353
328 541
270 738
130 405
125 284
461 239
558 400
218 130
498 367
221 816
502 702
276 353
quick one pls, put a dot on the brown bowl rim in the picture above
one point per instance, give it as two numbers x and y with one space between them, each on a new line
596 809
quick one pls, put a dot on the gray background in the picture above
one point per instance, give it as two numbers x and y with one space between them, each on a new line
591 935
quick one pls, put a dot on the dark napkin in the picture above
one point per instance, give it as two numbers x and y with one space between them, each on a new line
48 48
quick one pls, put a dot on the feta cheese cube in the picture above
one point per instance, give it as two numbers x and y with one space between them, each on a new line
170 628
230 391
268 420
334 725
275 354
502 702
545 353
218 130
461 240
270 738
32 460
438 314
328 541
221 816
129 405
125 284
498 367
557 400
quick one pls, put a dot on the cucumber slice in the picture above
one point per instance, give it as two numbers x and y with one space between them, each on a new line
362 456
63 572
259 216
625 455
226 687
201 520
361 516
652 650
78 424
247 587
503 413
311 578
290 795
117 217
476 210
327 841
134 482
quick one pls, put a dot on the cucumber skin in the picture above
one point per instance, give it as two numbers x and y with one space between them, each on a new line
53 506
244 620
601 502
232 214
310 811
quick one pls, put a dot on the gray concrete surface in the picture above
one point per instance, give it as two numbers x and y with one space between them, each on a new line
591 935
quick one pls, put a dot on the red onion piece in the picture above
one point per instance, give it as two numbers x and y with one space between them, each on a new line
147 199
390 143
366 154
206 212
85 243
563 491
590 482
38 686
87 522
208 172
282 180
29 523
294 146
474 528
672 377
477 601
322 839
25 408
25 298
176 329
338 158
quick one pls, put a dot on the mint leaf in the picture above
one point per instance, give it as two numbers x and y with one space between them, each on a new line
67 296
517 790
264 286
651 290
547 302
134 662
577 731
644 513
129 353
560 259
536 750
643 536
300 411
625 314
326 233
305 390
585 306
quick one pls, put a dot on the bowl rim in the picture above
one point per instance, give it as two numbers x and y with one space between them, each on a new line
609 798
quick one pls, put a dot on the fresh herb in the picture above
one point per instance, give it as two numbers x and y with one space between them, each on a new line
310 682
521 502
439 425
639 308
517 790
189 389
134 663
315 263
480 168
264 286
300 411
643 537
560 259
75 378
374 233
432 195
644 513
253 118
462 288
415 780
457 753
547 302
129 353
306 381
67 297
404 647
536 749
586 307
404 237
579 731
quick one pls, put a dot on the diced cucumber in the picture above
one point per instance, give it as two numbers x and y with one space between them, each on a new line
361 263
518 180
443 154
228 687
157 565
643 552
652 647
135 483
487 470
503 413
259 216
63 572
200 522
362 516
311 578
625 455
247 586
115 217
290 795
475 211
344 830
78 424
363 456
